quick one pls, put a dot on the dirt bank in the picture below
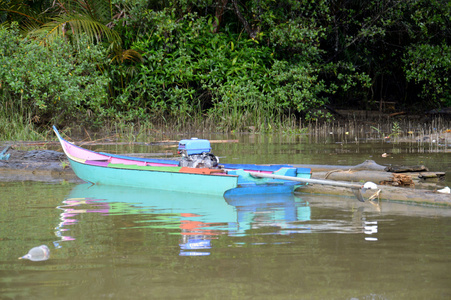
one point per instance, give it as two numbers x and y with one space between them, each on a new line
35 165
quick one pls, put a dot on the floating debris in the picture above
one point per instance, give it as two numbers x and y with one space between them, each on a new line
445 190
399 180
3 155
370 186
37 253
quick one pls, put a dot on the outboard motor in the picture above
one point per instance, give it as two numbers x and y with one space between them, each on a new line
196 153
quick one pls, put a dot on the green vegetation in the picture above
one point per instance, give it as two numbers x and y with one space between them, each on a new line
53 82
220 64
15 127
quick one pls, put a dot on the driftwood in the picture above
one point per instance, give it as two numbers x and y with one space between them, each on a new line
387 193
366 165
403 169
399 180
377 177
432 176
356 176
371 171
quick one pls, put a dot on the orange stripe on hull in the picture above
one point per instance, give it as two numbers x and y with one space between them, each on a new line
206 171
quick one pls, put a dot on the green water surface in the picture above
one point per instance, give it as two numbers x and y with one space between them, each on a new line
119 243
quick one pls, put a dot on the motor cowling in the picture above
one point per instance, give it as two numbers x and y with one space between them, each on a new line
196 153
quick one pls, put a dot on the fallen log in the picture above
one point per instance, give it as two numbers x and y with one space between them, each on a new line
377 177
397 208
399 180
403 169
387 193
366 165
431 176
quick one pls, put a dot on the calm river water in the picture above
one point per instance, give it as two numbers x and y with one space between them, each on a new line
118 243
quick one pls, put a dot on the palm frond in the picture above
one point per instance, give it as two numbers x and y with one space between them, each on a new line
77 25
100 10
120 55
18 10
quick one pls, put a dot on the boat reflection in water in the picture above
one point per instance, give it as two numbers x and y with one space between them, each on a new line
199 218
284 212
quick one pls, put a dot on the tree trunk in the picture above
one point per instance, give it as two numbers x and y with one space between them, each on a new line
252 33
220 7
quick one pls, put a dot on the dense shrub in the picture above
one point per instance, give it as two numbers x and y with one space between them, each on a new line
235 63
53 81
189 69
429 66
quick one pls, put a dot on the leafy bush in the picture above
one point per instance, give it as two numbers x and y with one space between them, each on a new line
235 63
54 81
429 66
189 70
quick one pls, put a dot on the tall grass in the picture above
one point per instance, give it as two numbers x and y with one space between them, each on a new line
16 125
254 121
394 129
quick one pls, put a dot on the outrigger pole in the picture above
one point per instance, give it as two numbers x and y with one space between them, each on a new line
356 188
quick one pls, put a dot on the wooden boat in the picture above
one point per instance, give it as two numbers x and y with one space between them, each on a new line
117 170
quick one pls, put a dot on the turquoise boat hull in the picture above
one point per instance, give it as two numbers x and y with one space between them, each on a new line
169 181
115 170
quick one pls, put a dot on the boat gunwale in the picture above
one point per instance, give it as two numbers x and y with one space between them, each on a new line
144 170
246 185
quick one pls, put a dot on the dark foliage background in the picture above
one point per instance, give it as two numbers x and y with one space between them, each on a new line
234 63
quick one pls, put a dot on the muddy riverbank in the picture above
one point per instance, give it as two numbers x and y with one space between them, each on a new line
36 165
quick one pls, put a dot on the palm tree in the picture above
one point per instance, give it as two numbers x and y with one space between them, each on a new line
26 13
47 19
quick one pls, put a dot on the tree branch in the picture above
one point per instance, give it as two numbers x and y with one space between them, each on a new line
252 33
